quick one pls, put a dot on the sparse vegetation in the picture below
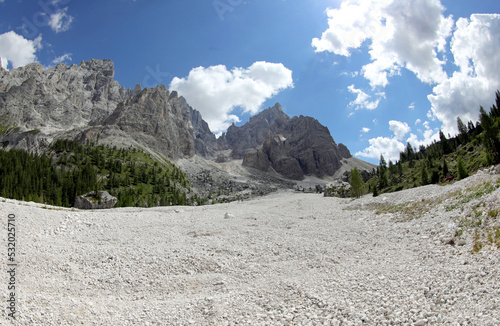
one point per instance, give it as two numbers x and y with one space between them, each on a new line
342 190
450 158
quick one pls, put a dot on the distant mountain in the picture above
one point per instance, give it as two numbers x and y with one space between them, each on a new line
84 102
294 147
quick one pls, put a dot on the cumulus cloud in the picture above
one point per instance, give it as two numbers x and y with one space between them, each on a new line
404 34
362 100
413 35
16 51
350 25
60 21
476 49
216 91
365 130
400 129
388 147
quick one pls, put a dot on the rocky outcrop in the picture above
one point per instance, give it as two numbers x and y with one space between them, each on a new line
163 121
103 200
294 147
60 98
253 134
85 103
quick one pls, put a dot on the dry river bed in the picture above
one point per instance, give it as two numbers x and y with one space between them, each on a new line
284 259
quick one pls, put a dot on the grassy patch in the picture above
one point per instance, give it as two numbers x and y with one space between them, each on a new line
464 197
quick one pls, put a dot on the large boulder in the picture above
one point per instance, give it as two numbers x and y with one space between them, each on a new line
101 200
257 158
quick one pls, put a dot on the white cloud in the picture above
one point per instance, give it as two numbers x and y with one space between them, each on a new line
476 50
389 147
16 51
418 121
429 137
350 26
362 99
400 129
365 130
412 106
60 21
403 33
216 92
64 57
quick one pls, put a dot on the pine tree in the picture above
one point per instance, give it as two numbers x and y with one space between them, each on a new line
382 170
445 145
463 133
445 169
490 135
462 172
424 177
356 183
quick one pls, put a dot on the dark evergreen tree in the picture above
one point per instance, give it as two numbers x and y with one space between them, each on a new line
424 177
463 132
490 135
445 169
462 172
445 145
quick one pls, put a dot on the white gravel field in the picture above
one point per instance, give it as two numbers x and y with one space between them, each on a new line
285 259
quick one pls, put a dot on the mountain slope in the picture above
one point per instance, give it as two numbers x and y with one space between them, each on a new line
84 103
294 147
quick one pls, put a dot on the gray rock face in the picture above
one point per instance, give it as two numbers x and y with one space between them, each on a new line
293 147
85 102
164 121
253 134
60 98
103 200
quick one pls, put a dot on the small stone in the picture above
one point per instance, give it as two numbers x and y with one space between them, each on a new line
421 322
461 243
449 241
228 216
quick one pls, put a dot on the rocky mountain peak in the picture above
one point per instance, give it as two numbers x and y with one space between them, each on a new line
294 147
273 115
84 102
104 66
137 89
60 98
162 121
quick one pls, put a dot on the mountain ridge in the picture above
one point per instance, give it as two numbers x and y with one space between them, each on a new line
84 102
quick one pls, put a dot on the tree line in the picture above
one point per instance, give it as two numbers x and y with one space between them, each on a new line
475 146
69 169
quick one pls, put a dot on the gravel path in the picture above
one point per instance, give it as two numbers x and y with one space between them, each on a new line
284 259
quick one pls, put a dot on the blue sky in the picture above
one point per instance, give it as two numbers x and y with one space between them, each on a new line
377 73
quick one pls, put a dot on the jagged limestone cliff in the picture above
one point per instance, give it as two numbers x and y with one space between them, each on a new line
294 147
84 102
